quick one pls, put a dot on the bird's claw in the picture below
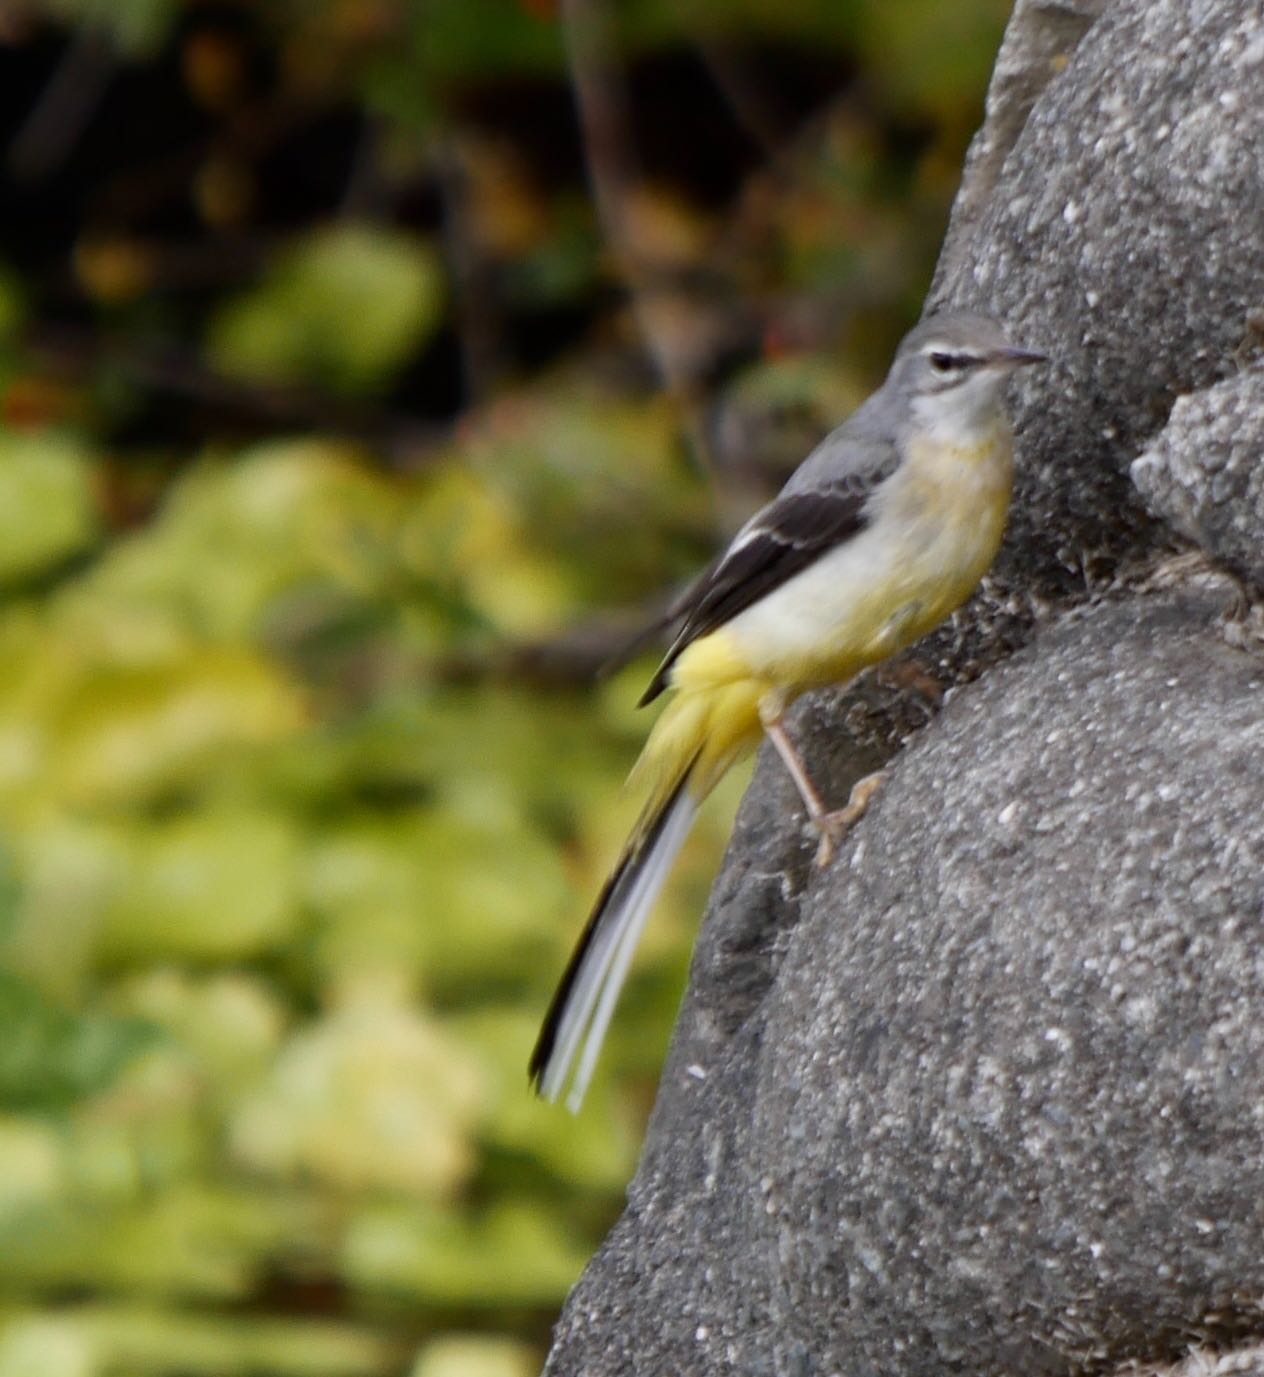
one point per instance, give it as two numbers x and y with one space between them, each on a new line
834 826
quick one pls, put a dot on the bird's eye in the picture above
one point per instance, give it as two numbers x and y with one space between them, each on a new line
942 363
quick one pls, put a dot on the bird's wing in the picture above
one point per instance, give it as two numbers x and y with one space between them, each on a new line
823 505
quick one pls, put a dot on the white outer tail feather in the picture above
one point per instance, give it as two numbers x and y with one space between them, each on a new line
595 991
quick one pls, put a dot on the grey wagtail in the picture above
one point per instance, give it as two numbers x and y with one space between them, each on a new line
885 528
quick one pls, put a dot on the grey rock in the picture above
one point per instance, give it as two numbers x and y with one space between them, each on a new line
1204 473
1246 1360
1039 40
988 1094
1123 235
990 1090
1118 228
1023 1078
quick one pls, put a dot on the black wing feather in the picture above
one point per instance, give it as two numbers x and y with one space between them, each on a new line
788 535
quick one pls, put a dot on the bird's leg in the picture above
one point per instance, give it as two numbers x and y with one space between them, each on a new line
836 825
833 825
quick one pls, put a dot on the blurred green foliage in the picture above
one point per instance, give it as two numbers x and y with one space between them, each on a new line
275 946
304 779
343 309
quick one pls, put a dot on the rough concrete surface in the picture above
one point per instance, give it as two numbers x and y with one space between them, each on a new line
1039 40
1109 213
1204 473
1123 236
987 1095
1000 1102
1023 1076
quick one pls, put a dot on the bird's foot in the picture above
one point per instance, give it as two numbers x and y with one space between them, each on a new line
834 826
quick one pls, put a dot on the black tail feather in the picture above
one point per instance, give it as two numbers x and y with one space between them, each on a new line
642 843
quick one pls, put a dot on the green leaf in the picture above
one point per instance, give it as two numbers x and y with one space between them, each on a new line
242 547
142 1341
931 56
372 1096
476 1355
580 472
47 507
343 308
595 1151
220 884
151 1236
47 1345
518 1252
129 732
51 1058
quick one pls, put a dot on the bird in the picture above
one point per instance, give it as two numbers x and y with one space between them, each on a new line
880 534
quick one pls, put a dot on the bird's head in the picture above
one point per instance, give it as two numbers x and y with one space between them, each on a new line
952 368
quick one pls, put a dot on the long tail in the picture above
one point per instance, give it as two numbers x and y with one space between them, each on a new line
589 989
702 731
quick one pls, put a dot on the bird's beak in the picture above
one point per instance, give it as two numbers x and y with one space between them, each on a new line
1012 357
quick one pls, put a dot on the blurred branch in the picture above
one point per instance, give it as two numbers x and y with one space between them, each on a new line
366 195
113 268
473 300
577 657
754 112
601 108
400 438
65 105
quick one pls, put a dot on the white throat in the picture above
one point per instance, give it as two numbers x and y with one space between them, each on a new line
961 415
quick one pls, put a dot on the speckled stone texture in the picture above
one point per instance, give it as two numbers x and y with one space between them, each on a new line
997 1102
987 1095
1123 234
1205 472
1019 1125
1039 40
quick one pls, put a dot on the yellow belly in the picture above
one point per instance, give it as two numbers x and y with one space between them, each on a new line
920 559
929 544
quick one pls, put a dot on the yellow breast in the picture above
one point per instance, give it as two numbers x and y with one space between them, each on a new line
934 532
951 509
